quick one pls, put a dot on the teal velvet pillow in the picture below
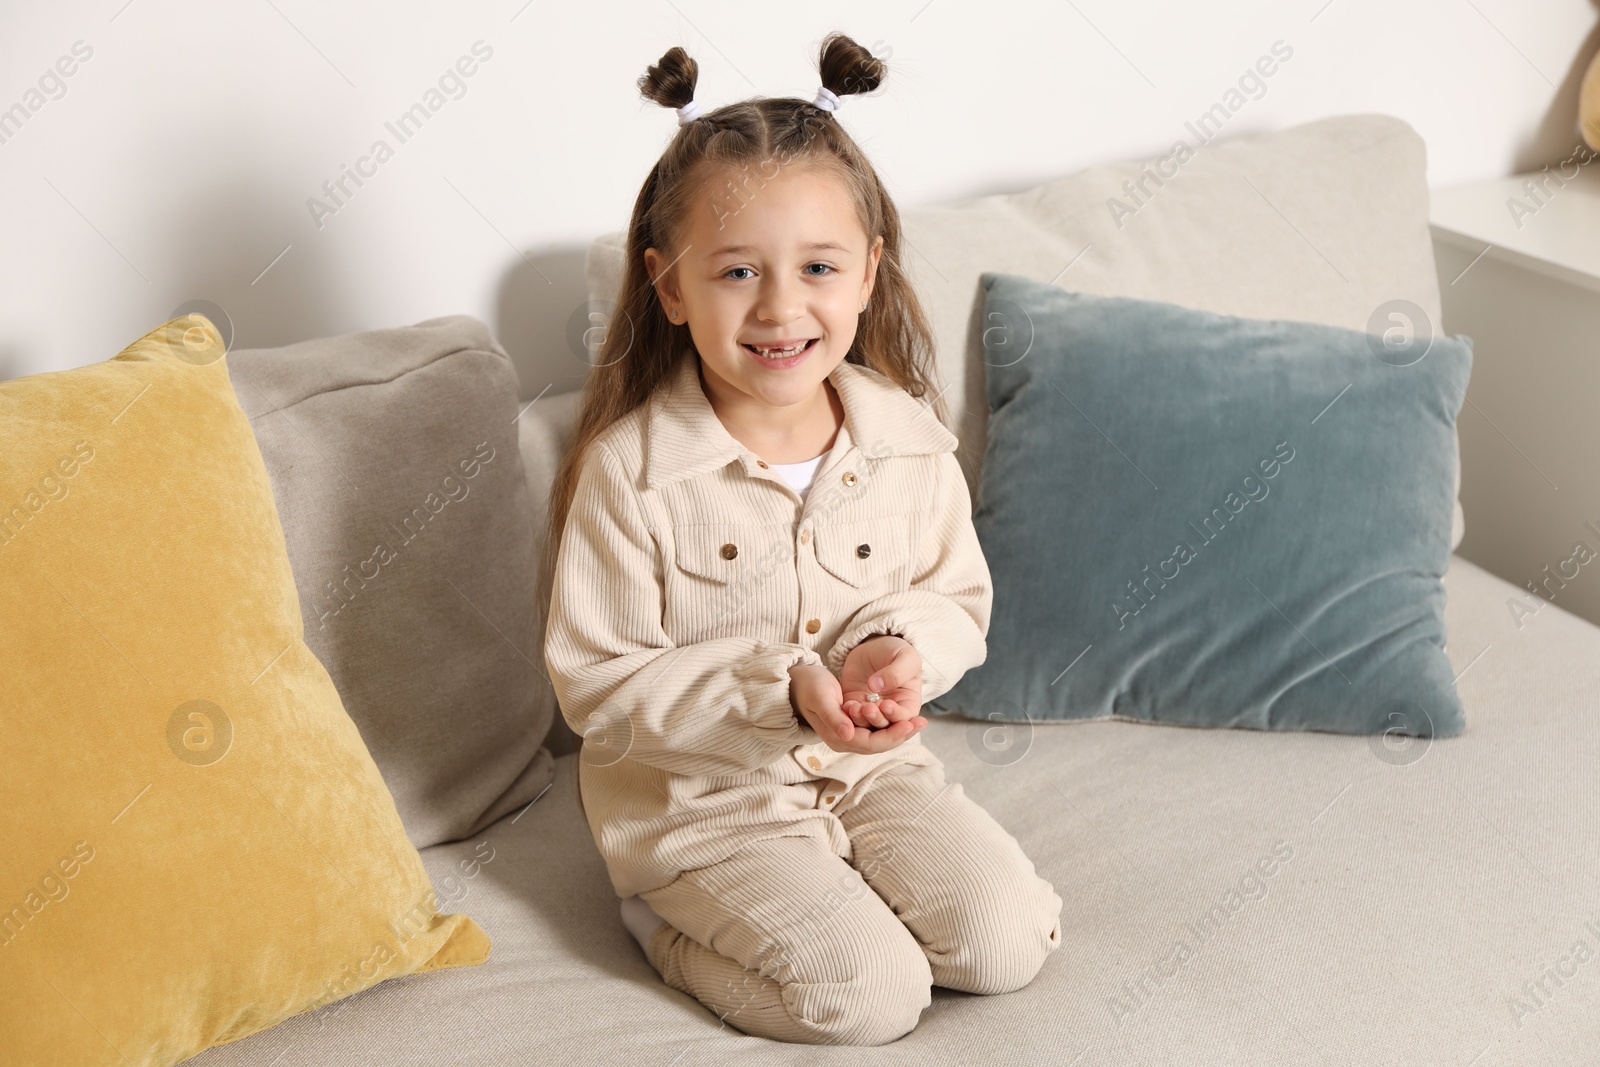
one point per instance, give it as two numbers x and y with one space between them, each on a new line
1206 520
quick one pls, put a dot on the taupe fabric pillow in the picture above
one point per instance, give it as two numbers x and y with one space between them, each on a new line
1326 222
397 470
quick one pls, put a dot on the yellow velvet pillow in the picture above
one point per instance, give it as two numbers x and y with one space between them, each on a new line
194 841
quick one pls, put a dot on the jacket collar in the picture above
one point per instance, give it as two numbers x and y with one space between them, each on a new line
686 438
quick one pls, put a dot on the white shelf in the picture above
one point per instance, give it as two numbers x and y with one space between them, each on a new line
1561 239
1530 483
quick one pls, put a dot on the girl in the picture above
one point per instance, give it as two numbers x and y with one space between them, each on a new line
761 561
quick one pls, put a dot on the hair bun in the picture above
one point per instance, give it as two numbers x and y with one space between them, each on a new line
670 82
847 68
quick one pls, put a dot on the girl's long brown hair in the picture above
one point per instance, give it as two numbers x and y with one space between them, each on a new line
739 144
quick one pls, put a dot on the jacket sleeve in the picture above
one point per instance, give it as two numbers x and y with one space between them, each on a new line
716 707
945 612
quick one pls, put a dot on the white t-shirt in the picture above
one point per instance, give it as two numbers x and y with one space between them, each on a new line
799 475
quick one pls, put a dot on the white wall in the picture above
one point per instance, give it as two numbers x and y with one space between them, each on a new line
179 161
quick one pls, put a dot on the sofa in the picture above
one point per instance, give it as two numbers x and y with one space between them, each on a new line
1338 899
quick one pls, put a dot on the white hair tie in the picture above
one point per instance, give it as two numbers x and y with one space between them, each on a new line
826 101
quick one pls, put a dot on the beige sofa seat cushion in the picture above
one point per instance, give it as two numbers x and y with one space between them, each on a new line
1450 879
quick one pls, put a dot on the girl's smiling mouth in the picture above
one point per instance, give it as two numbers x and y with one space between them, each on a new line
787 354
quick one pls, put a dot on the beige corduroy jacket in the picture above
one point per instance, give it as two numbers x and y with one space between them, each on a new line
690 578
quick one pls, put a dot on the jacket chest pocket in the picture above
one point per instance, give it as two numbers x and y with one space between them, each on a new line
872 555
728 579
723 554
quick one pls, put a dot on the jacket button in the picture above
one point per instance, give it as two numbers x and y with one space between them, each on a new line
805 537
848 477
863 551
829 799
814 763
761 463
813 625
730 550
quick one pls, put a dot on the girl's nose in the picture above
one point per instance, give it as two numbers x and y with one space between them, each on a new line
779 302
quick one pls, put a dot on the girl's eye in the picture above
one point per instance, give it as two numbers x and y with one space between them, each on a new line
825 268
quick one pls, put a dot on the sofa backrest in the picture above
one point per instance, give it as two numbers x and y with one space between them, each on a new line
1325 222
544 429
1320 223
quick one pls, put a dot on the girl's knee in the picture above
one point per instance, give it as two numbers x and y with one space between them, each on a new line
879 1001
998 949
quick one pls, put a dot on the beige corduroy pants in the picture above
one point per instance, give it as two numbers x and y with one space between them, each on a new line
786 939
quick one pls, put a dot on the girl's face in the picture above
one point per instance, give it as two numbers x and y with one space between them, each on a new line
781 263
